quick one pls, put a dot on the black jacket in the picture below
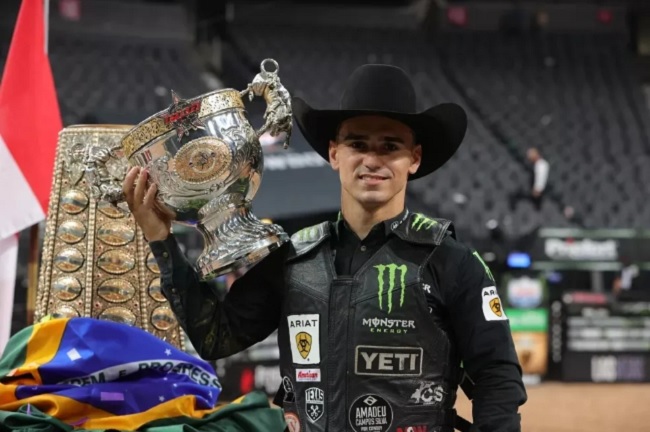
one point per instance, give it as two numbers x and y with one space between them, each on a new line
457 293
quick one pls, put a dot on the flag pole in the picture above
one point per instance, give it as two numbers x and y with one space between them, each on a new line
46 28
32 272
34 230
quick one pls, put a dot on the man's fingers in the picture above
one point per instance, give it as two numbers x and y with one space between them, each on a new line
165 212
127 185
150 196
140 187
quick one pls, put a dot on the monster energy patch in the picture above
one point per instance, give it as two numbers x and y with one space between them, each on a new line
387 325
487 269
309 234
421 221
387 276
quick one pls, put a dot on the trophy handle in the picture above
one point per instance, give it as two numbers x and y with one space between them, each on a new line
278 101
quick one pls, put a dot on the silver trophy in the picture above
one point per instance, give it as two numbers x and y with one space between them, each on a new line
207 162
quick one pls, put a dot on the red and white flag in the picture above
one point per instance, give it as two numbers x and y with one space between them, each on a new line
29 125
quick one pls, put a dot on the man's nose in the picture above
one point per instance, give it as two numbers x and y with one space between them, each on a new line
372 160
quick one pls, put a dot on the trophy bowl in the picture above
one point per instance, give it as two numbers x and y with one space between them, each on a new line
207 162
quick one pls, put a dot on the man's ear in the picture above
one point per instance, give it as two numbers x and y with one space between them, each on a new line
333 151
417 159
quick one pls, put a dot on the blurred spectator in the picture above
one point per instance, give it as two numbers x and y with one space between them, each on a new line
539 169
625 282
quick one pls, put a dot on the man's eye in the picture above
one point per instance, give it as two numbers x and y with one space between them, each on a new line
357 144
391 146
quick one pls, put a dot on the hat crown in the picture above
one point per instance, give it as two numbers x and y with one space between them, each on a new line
378 87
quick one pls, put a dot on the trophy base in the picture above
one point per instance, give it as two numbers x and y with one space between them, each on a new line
235 261
235 238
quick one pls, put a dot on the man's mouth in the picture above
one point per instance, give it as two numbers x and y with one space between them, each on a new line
372 178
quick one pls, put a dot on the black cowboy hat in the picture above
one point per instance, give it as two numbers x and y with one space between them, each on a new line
386 91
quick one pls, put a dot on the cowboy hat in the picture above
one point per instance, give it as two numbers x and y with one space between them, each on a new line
387 91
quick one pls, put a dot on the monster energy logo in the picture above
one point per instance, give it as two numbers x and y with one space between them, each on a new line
420 221
392 271
487 269
307 234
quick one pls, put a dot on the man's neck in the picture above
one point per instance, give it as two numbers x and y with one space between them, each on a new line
361 220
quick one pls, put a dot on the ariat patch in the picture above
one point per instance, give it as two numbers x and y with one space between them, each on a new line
304 337
492 306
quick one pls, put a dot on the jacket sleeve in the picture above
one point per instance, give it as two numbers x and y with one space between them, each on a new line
248 314
482 332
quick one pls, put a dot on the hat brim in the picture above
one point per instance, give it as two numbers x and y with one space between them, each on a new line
439 130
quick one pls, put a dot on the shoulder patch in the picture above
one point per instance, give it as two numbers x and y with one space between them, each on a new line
419 228
420 221
309 237
491 305
485 266
308 234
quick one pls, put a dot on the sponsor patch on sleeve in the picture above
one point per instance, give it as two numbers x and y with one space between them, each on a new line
492 306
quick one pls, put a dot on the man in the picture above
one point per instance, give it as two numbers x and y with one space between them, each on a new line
629 283
375 312
538 179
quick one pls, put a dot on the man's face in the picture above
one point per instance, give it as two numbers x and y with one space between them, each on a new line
374 156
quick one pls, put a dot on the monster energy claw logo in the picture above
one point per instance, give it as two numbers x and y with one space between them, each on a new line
392 272
420 221
307 234
487 269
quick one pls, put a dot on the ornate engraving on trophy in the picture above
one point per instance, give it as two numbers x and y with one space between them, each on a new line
152 265
183 116
202 160
116 233
166 178
155 291
66 288
105 167
162 318
71 231
116 262
74 162
94 256
118 314
116 290
111 210
69 260
66 312
74 201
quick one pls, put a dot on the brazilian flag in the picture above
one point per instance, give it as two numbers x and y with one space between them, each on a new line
88 374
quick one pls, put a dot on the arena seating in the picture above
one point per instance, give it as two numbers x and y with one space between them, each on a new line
120 81
473 188
575 97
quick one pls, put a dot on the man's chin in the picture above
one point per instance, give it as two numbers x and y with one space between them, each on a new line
372 199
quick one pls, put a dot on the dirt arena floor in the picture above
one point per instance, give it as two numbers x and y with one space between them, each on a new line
556 407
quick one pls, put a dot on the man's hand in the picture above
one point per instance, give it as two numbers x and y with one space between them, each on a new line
154 221
536 193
